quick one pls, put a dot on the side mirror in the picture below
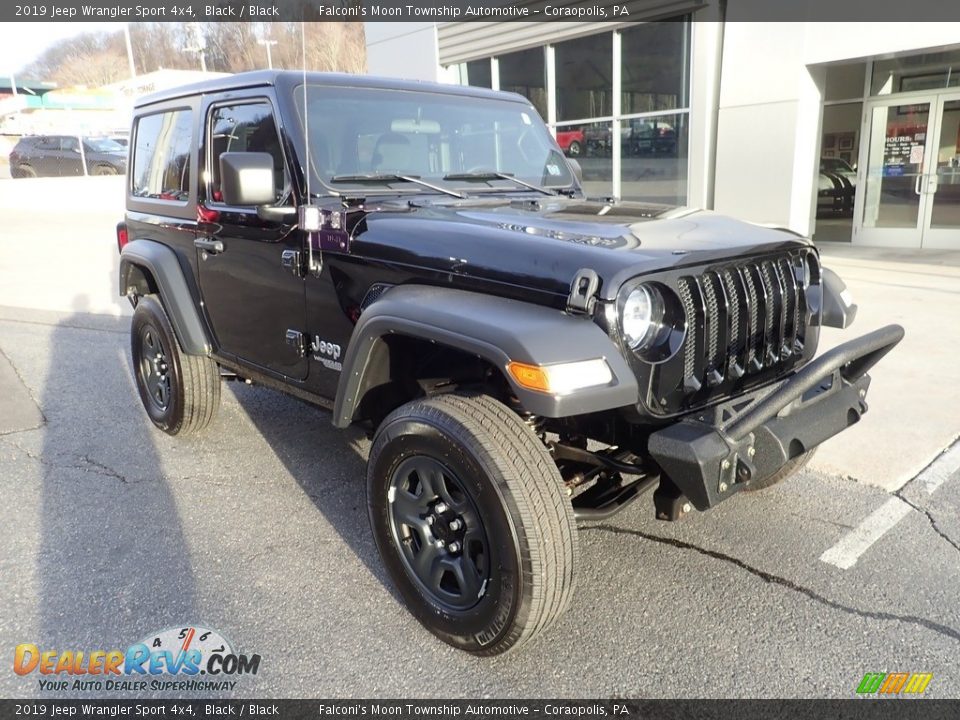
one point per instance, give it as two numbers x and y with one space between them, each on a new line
577 170
246 178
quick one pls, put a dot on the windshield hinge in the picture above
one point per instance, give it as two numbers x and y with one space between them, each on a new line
292 260
298 342
583 292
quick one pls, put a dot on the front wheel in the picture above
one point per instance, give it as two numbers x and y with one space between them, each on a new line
468 512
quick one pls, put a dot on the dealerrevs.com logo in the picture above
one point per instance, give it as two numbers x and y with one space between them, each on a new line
200 659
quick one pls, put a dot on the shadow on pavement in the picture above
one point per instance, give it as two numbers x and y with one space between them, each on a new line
112 550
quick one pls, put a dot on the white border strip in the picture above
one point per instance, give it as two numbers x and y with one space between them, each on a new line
855 543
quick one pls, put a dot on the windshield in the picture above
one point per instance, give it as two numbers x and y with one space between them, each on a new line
377 132
104 145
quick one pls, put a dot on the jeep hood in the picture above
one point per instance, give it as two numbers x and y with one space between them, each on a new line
542 243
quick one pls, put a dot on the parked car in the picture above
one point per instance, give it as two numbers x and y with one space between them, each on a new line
421 260
59 155
571 142
836 186
650 137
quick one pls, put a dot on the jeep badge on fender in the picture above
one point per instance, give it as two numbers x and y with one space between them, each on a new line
522 356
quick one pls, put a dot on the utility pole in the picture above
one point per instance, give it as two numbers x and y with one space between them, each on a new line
267 44
126 36
201 45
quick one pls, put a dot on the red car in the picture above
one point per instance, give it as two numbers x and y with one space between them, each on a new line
571 142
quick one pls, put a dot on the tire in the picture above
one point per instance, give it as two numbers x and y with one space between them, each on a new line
24 171
104 170
790 467
181 393
518 533
574 149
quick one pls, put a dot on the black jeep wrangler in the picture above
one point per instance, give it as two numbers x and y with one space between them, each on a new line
421 260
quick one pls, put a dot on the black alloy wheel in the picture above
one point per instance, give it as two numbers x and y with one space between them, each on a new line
439 531
469 514
180 392
154 367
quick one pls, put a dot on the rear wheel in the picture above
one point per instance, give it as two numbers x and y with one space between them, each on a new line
104 170
469 515
24 171
575 149
181 393
792 466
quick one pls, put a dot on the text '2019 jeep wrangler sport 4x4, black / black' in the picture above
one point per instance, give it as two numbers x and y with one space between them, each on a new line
421 259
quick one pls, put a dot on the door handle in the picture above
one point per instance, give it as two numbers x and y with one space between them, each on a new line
213 247
916 184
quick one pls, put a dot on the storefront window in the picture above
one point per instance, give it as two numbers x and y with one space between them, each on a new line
844 82
837 177
654 67
930 71
584 69
525 73
653 159
654 92
475 72
591 145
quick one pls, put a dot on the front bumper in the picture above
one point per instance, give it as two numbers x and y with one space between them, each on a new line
714 454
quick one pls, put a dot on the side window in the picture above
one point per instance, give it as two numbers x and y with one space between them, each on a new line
161 156
69 144
48 143
245 128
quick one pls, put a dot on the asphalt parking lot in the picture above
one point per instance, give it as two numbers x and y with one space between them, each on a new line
111 531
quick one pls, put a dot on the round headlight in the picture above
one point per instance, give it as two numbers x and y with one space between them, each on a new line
642 317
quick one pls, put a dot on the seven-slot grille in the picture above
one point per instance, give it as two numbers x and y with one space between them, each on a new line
742 319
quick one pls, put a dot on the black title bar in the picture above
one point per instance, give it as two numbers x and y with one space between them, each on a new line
853 709
858 11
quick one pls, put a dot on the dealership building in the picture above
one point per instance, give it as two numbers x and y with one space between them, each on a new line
846 131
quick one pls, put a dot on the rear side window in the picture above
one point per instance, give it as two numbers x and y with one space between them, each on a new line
161 156
245 128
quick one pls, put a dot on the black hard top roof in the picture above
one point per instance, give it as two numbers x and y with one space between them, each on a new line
289 78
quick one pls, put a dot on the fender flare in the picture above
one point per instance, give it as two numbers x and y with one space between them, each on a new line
162 264
499 330
839 310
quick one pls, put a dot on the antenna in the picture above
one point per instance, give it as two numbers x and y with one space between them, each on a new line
306 115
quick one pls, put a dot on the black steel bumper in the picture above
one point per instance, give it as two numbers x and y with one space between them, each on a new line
712 455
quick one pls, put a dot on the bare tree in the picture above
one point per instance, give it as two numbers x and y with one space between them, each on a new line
100 58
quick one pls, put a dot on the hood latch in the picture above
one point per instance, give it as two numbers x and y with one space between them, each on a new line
583 292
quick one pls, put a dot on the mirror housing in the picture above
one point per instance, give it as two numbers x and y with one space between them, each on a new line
246 178
576 169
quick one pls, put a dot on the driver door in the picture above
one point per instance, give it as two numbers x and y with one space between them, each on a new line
252 293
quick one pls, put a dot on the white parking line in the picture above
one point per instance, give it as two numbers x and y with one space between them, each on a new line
855 543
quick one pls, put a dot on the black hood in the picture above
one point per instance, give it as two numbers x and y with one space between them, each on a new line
543 243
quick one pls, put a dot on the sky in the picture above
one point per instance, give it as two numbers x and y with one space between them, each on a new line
21 42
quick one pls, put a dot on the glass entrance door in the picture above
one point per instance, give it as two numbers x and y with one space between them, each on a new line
891 209
941 184
911 186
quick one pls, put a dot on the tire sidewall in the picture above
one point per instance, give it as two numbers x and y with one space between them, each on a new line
150 313
494 619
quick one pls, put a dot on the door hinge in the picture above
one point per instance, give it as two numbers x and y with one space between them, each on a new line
298 342
583 292
292 260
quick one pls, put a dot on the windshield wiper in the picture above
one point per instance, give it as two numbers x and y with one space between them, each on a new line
393 177
493 175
